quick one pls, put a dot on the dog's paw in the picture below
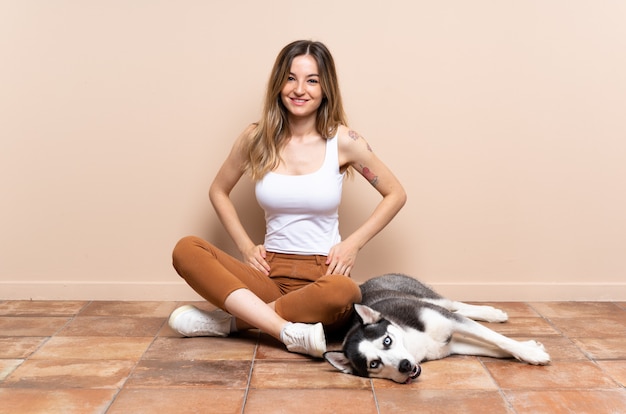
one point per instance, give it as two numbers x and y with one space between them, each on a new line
492 314
534 353
480 312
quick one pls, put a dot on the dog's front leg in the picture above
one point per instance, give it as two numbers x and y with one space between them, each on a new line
531 352
462 345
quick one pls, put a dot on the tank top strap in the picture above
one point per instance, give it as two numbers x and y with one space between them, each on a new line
331 161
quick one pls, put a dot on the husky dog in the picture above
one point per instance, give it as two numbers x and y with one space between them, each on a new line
401 322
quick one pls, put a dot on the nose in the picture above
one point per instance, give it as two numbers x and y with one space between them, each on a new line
405 366
299 90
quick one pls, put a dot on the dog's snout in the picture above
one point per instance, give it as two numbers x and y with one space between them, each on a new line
405 366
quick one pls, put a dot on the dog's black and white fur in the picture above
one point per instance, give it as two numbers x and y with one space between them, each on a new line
401 322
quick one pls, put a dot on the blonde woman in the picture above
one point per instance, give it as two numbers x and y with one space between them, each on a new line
297 283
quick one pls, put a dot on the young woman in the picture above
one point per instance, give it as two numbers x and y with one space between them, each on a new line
297 283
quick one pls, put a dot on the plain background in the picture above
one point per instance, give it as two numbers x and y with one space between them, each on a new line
505 121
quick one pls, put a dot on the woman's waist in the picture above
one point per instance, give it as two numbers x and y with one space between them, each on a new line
296 256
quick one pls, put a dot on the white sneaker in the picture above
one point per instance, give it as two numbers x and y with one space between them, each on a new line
191 321
304 338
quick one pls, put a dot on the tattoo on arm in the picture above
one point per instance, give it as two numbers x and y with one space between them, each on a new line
355 137
369 176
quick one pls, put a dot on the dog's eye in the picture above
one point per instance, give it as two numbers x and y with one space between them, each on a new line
387 341
374 364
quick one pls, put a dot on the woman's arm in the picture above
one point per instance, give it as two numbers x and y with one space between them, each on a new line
355 151
219 193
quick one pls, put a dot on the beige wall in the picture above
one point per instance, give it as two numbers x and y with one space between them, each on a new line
505 120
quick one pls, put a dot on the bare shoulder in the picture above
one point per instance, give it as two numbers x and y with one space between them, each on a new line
239 149
352 144
355 151
248 133
244 139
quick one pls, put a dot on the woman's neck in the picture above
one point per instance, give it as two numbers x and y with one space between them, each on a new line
302 127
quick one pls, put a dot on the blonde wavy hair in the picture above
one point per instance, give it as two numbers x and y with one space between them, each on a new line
271 132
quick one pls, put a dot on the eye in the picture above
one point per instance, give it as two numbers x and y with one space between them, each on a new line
313 81
387 341
375 364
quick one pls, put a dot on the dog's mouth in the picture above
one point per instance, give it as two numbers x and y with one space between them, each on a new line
414 374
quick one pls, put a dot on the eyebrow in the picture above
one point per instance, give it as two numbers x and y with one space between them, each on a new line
307 76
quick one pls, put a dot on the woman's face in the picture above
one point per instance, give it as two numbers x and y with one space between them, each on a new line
302 93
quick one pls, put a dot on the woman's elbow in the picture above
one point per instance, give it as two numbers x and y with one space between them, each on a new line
401 197
214 193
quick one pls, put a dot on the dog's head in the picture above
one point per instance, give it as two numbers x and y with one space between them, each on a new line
375 349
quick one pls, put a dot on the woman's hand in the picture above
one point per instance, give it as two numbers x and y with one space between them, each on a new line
341 258
255 257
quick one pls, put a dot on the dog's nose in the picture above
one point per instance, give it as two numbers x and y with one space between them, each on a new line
405 366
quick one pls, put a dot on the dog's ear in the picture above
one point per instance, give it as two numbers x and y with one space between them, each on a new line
367 314
338 360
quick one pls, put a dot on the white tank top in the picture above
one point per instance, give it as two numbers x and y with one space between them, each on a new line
301 211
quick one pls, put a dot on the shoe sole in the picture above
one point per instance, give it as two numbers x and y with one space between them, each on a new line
320 354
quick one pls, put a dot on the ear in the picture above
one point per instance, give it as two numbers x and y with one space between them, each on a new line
338 360
367 314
